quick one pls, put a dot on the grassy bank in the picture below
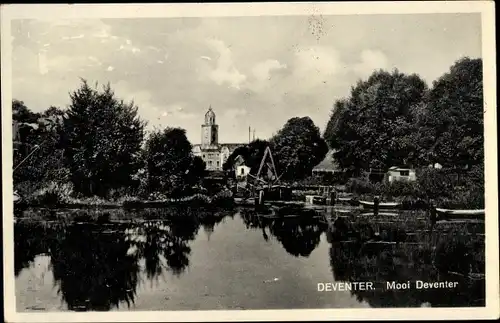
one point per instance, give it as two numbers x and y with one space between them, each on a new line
61 195
442 188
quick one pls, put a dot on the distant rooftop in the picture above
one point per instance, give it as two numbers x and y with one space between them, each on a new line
328 163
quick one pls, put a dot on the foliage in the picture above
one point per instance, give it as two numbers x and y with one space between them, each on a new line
375 126
38 155
434 183
297 148
442 187
252 154
452 123
336 119
170 165
52 194
359 186
196 170
102 140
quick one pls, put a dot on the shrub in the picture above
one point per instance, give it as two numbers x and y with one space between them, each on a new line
434 183
52 194
360 186
26 189
400 188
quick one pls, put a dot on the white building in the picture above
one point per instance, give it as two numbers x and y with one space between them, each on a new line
213 154
401 174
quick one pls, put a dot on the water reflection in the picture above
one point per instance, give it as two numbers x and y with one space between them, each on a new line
450 255
93 268
29 241
97 266
100 265
299 233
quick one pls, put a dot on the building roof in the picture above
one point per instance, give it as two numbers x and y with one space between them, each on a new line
400 167
328 163
231 146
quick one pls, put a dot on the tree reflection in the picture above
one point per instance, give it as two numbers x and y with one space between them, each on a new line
30 240
97 265
299 234
93 268
424 258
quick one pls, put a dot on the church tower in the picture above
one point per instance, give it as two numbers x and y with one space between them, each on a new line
209 130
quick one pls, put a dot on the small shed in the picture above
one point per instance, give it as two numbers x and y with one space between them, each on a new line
401 173
242 171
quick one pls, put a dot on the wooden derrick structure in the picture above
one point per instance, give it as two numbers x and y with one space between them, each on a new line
266 183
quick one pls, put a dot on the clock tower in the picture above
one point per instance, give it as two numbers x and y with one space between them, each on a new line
209 130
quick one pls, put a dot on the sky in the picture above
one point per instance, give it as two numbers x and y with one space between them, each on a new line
253 71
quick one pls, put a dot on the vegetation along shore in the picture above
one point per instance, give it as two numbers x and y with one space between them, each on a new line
98 152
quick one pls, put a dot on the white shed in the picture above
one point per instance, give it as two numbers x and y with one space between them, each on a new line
401 174
242 171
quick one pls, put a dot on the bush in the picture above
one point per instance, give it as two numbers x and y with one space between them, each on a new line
400 189
434 183
27 189
360 186
52 194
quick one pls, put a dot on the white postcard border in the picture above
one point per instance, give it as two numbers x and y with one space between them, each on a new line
49 12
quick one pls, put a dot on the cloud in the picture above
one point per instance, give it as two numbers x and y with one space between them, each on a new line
262 70
225 71
42 63
174 68
318 59
110 68
73 37
234 113
370 60
317 66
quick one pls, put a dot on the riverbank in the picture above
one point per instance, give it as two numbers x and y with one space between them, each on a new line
432 186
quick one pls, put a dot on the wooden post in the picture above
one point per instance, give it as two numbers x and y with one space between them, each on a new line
333 197
432 215
376 202
261 197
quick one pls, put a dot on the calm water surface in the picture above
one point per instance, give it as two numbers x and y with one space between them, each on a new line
186 260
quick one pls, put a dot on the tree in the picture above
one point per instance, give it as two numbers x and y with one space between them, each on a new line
252 153
37 157
375 126
21 113
102 140
170 164
196 171
336 119
453 119
297 148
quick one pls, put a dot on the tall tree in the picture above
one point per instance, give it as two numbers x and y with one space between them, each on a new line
297 148
452 123
336 119
375 126
102 142
170 163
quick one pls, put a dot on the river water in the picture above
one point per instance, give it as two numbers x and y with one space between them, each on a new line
183 259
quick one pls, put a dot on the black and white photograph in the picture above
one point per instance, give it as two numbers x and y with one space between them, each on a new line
201 162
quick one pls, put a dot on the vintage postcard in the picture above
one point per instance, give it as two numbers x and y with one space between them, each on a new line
249 161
